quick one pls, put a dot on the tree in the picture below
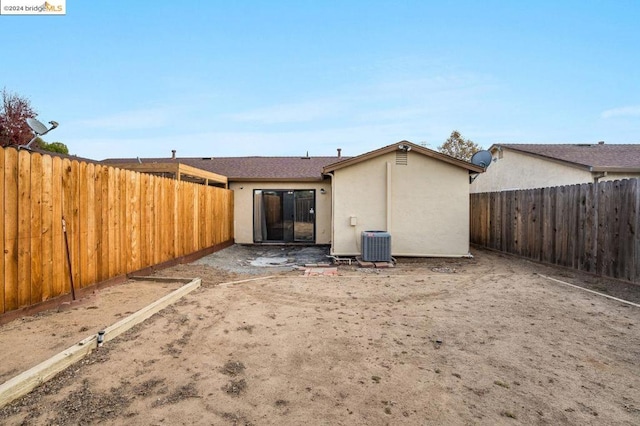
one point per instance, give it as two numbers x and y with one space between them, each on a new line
58 147
459 147
14 112
14 130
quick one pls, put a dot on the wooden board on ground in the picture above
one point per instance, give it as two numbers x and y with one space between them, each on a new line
55 330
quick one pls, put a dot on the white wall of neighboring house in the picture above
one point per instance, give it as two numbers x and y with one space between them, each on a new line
424 205
511 170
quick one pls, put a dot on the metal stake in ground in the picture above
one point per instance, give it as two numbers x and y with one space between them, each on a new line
66 243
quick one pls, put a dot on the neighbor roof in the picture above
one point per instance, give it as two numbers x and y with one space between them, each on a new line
598 157
252 168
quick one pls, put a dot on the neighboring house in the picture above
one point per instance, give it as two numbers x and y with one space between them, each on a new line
419 196
526 166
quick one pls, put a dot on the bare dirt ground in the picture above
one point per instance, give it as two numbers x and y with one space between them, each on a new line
432 341
30 340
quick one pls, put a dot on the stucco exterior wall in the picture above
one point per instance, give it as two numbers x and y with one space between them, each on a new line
243 207
424 205
521 171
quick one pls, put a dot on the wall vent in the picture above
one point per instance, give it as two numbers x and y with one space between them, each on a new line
376 246
401 158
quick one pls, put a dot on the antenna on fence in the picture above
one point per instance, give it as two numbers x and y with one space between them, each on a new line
38 130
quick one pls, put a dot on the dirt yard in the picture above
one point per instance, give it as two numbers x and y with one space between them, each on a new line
459 341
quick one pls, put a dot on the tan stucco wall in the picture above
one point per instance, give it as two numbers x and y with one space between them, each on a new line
429 206
521 171
243 207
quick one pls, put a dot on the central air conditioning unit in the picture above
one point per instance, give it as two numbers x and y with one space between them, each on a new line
376 246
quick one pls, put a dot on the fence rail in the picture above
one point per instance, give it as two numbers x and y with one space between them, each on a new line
589 227
117 221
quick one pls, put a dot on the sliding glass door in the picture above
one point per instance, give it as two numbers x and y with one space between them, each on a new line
284 216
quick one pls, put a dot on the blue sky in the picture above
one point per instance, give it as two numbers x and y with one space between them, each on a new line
127 79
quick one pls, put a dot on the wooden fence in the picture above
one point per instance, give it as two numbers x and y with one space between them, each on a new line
589 227
117 222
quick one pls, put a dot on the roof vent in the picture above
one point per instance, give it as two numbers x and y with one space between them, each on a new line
401 158
600 142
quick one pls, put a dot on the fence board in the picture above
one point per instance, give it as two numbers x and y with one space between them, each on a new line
58 257
67 215
587 229
175 221
123 196
143 215
84 189
149 220
548 223
560 240
11 229
572 222
36 291
75 232
590 227
155 232
24 228
625 245
134 224
2 169
47 227
538 243
114 222
202 204
636 228
614 234
102 223
117 222
92 229
604 229
192 212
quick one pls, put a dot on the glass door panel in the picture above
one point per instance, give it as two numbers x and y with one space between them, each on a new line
305 216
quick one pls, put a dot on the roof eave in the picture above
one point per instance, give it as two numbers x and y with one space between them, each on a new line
394 147
266 179
615 169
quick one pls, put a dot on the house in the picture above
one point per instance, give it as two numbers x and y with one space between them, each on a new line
526 166
419 196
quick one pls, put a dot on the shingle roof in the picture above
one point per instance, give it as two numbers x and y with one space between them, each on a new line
286 168
252 168
598 157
